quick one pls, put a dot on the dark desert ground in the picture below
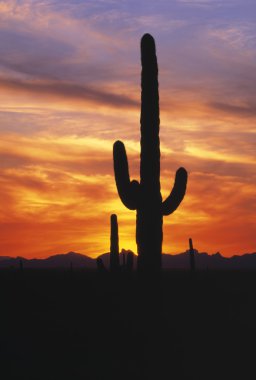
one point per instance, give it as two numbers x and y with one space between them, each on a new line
86 325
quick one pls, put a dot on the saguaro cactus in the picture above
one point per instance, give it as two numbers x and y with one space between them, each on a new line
114 244
145 196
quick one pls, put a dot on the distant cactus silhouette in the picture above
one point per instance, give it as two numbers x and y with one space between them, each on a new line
124 262
145 197
191 256
114 244
129 262
100 265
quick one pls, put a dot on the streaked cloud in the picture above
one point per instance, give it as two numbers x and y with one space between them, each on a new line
68 90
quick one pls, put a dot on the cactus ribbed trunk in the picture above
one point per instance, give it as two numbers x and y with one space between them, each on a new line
114 244
149 213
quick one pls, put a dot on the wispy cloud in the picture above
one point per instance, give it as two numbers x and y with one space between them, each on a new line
69 91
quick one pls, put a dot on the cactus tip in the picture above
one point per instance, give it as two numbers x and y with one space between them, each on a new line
182 172
118 143
146 38
118 147
113 217
148 44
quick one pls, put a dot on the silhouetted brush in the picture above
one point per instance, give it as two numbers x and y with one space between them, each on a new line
145 197
191 256
124 263
21 265
114 244
129 262
100 265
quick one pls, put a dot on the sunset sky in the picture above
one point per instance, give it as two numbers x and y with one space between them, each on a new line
70 87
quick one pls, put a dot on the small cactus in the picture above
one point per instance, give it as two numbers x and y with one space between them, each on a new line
114 244
191 256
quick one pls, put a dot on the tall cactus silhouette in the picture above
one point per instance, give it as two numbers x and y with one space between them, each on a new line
146 196
114 244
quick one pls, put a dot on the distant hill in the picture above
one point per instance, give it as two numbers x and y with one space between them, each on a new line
57 261
180 261
205 261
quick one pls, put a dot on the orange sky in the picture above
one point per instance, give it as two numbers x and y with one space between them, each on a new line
70 87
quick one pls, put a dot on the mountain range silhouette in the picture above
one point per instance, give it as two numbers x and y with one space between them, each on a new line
203 261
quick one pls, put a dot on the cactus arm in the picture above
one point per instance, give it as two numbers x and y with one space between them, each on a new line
177 194
127 190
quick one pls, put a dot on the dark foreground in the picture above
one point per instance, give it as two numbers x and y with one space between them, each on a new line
63 325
